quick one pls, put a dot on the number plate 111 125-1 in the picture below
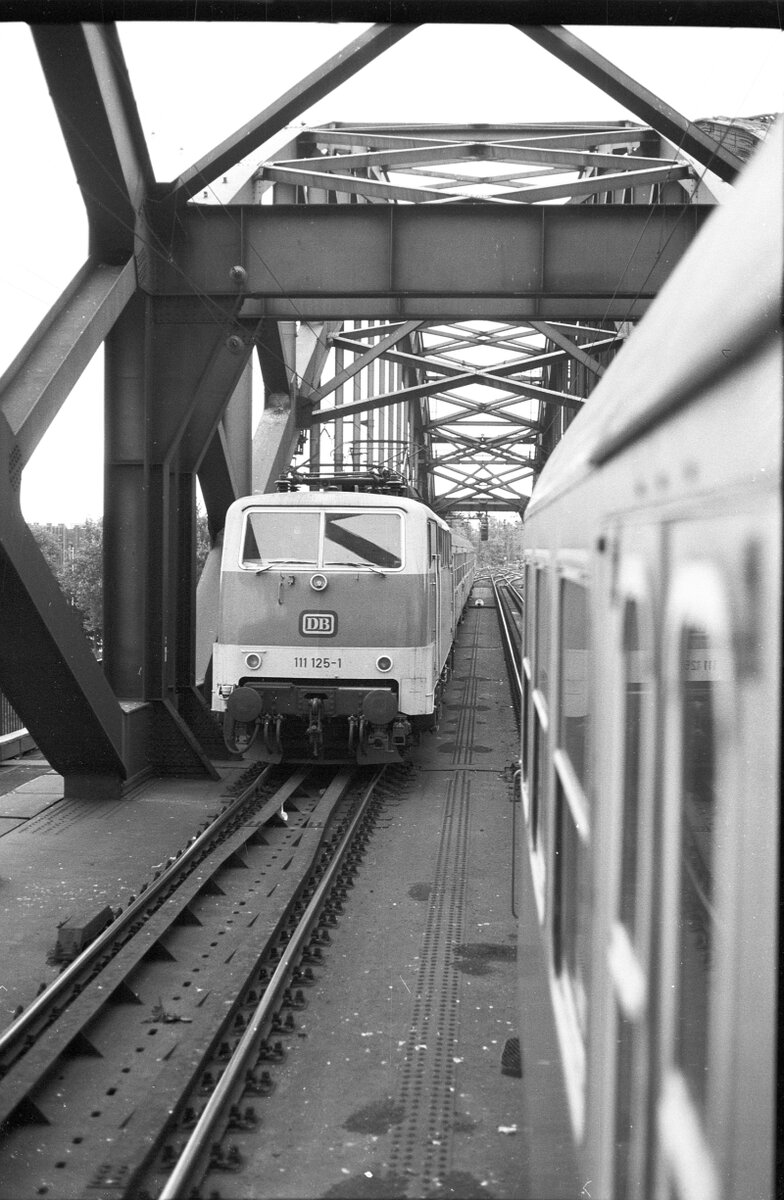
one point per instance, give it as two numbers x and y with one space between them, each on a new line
303 662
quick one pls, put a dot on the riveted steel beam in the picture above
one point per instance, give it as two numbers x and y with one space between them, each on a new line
616 83
511 262
101 127
38 381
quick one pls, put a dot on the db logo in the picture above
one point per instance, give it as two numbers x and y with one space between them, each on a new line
320 624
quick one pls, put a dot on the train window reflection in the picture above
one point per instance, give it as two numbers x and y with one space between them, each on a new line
571 931
573 730
362 537
698 931
542 631
281 535
634 689
530 610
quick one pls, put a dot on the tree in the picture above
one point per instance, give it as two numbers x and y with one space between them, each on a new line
82 580
504 544
51 546
203 541
76 561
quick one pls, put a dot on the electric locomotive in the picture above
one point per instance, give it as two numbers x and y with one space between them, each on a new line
651 736
337 613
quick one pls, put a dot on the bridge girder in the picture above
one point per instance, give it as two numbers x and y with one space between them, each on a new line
352 247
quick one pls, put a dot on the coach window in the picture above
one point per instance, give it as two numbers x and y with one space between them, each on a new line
539 765
543 631
571 924
627 952
635 700
698 931
698 906
528 642
573 681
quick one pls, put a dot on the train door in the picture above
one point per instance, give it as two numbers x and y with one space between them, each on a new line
630 834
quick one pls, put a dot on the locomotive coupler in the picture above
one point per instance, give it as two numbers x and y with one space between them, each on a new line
401 732
316 728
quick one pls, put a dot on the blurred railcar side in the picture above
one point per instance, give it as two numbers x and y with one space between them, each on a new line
651 726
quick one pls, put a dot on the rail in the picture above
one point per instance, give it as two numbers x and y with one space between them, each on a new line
190 1165
72 979
508 596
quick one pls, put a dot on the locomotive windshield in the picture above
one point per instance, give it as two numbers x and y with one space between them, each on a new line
352 538
307 537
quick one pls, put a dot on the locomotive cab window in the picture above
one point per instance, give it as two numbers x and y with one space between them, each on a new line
355 538
332 538
280 535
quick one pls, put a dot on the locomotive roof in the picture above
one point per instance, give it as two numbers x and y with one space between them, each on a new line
722 299
335 499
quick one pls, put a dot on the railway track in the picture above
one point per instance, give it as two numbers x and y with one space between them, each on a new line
129 1073
510 605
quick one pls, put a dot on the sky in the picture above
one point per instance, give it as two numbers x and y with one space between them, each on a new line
195 83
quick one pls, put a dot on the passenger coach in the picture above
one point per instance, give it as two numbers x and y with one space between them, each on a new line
651 727
337 615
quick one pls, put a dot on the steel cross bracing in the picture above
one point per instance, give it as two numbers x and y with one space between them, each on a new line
432 299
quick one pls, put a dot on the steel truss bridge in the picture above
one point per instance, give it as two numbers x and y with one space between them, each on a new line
438 300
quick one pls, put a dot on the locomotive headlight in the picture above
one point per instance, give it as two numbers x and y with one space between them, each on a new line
253 661
318 582
384 662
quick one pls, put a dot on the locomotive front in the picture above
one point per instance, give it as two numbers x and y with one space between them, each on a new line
323 643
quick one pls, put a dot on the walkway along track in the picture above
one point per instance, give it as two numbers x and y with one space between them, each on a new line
106 1073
